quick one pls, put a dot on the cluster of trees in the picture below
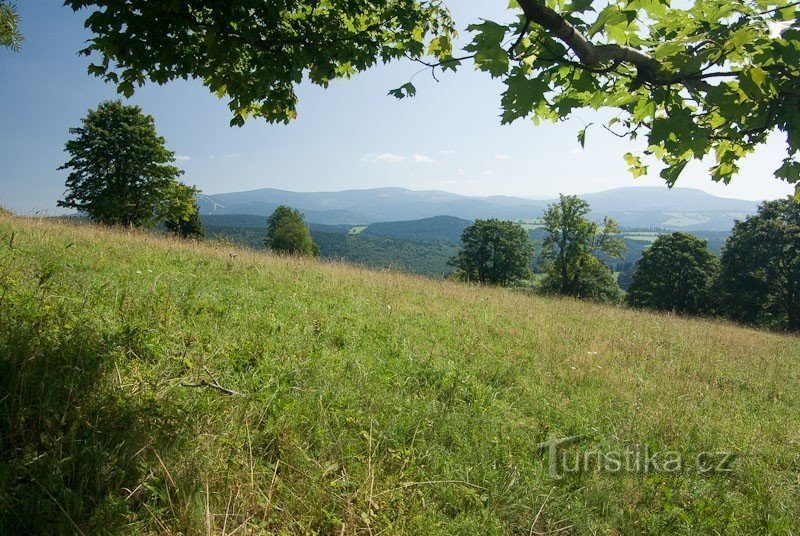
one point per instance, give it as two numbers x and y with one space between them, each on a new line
121 173
756 280
500 253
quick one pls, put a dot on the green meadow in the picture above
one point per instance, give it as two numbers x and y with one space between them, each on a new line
153 386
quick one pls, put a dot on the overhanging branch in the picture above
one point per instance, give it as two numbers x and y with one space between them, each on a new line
589 54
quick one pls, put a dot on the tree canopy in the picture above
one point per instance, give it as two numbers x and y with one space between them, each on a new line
288 233
593 281
10 35
704 77
675 274
760 278
180 212
255 53
120 171
570 247
494 252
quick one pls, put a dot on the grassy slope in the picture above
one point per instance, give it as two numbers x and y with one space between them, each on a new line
369 399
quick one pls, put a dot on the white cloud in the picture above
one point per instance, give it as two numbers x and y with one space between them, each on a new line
500 156
386 158
489 172
460 171
182 158
447 152
423 159
233 155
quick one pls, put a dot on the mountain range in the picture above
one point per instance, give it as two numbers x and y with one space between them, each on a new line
633 207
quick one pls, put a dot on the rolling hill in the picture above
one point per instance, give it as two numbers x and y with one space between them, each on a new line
642 207
154 386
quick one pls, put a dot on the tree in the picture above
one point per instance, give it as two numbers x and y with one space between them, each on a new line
760 277
180 212
595 282
675 274
288 233
494 252
569 250
121 173
10 36
703 77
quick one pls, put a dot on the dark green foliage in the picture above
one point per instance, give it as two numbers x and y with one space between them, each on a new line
675 274
189 227
288 233
570 248
760 278
121 172
423 258
255 53
494 252
10 36
594 281
437 229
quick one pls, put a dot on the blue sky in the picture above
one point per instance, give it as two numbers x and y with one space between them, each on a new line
351 135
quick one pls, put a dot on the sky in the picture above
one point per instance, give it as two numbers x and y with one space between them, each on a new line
348 136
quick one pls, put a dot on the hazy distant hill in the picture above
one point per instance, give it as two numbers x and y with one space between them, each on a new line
679 208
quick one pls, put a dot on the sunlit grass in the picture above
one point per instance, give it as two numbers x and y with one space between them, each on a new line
154 386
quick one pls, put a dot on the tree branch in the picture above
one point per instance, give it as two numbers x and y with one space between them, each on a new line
648 68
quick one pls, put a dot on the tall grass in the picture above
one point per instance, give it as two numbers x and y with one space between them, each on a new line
154 386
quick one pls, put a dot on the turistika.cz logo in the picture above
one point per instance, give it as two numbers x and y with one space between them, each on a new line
637 459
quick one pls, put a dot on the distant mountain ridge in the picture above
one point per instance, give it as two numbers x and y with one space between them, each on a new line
637 206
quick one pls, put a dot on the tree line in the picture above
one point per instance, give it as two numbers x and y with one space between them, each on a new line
755 281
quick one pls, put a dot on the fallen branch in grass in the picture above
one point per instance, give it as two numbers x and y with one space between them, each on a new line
213 383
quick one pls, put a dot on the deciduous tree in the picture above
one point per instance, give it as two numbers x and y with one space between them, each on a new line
494 252
120 171
180 212
570 247
760 277
288 233
676 274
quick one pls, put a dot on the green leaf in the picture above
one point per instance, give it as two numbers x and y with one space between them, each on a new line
789 171
635 166
582 135
673 171
490 56
406 90
522 96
